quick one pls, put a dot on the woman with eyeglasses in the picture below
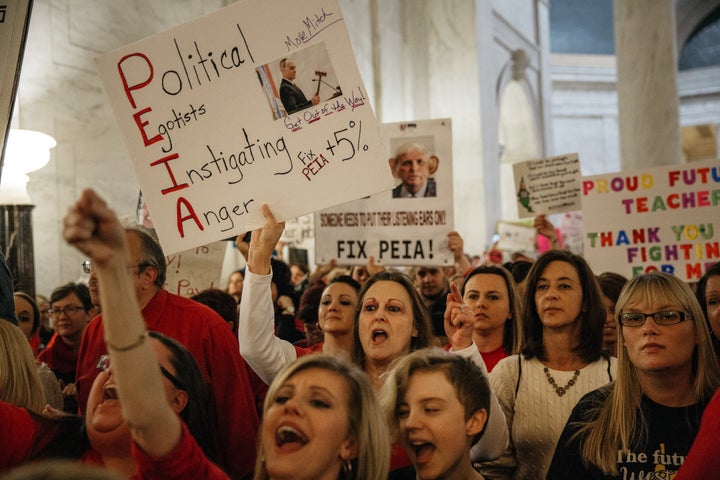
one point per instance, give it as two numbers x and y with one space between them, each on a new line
643 424
148 412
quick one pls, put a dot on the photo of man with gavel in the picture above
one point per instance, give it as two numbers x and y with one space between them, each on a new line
291 96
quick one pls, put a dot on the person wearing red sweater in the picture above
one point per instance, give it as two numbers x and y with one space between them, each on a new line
204 333
69 307
702 460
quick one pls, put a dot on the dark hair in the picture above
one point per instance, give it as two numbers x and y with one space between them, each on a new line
520 269
281 277
421 317
348 280
611 284
712 271
81 291
302 266
151 253
590 338
197 414
36 310
511 335
221 302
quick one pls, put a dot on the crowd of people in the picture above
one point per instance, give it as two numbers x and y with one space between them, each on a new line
532 369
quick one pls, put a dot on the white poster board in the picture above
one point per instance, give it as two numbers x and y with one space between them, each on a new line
549 185
202 109
14 20
516 237
663 218
192 271
393 226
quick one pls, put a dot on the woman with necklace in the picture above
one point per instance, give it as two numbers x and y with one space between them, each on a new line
561 360
643 424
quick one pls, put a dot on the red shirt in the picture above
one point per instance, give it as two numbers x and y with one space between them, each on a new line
17 436
61 359
703 461
490 358
187 460
205 334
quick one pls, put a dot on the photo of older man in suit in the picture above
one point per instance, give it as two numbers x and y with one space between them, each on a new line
413 165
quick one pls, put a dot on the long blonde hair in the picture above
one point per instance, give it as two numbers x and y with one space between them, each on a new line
366 419
618 421
19 380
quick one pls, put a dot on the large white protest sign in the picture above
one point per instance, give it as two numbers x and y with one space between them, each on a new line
14 20
407 225
549 185
259 102
660 218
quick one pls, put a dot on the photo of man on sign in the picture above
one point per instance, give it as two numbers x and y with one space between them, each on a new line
299 81
413 166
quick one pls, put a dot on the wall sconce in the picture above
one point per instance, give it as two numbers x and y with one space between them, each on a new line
25 152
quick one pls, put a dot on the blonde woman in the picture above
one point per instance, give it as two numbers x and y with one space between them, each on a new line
19 379
646 421
322 421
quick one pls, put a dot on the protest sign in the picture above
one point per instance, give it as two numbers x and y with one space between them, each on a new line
407 225
259 102
516 237
14 21
660 218
195 270
549 185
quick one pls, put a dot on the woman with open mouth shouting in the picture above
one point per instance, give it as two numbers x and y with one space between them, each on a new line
322 422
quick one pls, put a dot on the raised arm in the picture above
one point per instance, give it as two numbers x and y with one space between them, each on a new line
94 229
458 328
261 349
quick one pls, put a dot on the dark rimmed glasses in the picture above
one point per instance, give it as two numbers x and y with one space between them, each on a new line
68 310
103 364
664 317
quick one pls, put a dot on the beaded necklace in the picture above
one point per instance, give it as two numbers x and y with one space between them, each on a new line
560 390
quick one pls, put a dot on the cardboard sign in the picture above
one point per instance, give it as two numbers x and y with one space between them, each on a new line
215 128
407 225
549 185
195 270
663 218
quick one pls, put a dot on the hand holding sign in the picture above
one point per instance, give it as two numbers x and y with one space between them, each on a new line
458 320
263 242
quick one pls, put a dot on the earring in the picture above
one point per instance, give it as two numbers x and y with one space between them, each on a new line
347 468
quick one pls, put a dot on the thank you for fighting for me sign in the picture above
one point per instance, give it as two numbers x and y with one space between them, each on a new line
663 218
259 102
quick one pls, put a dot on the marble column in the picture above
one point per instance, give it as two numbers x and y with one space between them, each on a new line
16 240
648 103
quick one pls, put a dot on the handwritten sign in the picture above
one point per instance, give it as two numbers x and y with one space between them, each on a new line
195 270
259 102
516 237
14 20
662 218
549 185
407 225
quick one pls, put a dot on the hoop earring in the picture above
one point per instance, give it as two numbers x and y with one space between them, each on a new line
347 468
